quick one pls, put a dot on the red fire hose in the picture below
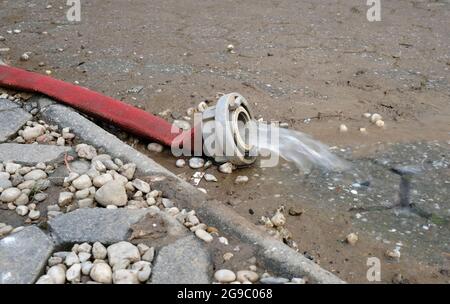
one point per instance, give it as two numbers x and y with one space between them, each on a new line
127 117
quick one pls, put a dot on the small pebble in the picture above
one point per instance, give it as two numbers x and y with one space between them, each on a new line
227 256
22 210
180 163
241 179
203 235
379 123
343 128
196 162
352 238
224 276
247 275
375 117
226 168
25 57
210 178
155 147
34 214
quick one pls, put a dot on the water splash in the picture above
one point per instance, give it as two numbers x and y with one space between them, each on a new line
296 147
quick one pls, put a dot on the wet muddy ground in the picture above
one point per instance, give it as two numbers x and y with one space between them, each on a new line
313 64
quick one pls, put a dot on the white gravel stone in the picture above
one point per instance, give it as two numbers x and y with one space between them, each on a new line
65 198
101 273
119 177
71 177
228 256
143 270
123 251
12 168
86 151
84 256
223 240
247 275
180 163
84 247
86 267
22 210
142 248
155 147
203 235
82 194
101 180
86 203
298 281
22 200
82 182
352 238
71 259
45 279
379 123
375 117
210 178
10 195
125 276
39 197
121 264
5 229
99 251
343 128
182 124
154 194
34 214
278 219
27 185
98 165
128 170
60 141
226 168
196 162
225 276
149 255
242 179
31 133
141 185
41 166
57 273
52 261
73 274
193 219
112 193
110 164
35 175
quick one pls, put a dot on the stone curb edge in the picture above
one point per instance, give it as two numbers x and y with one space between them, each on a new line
276 256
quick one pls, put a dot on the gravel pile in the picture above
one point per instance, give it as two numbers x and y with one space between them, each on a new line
22 187
119 263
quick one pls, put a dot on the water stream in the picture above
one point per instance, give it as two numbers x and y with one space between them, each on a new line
297 147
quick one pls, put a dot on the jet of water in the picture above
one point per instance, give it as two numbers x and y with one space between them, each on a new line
296 147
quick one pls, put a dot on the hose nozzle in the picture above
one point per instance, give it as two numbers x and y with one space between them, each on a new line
226 131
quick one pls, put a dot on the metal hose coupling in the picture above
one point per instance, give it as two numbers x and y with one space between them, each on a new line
227 130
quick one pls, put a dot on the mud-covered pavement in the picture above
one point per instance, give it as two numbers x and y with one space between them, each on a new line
313 64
